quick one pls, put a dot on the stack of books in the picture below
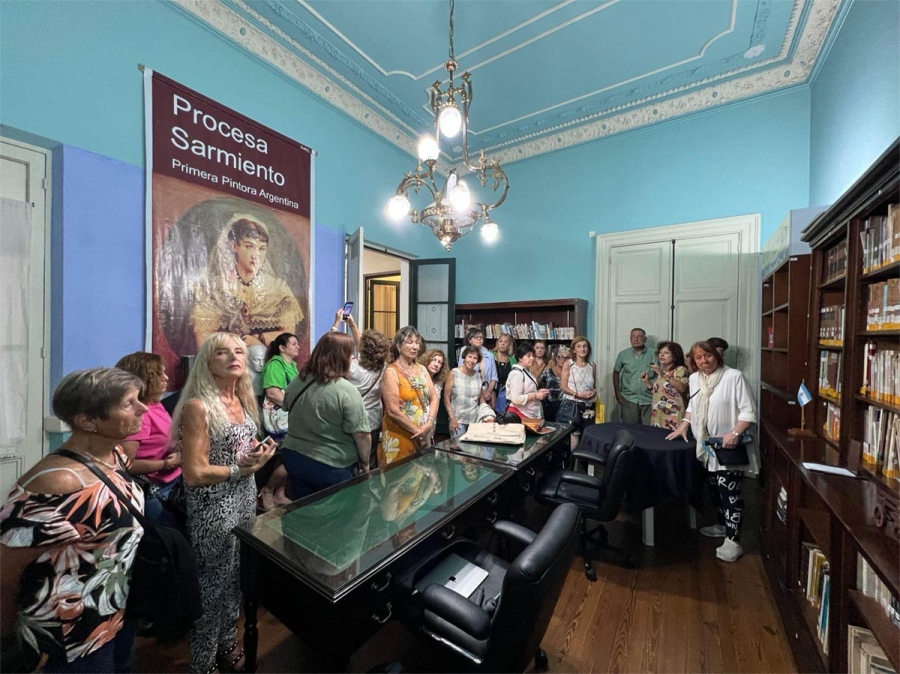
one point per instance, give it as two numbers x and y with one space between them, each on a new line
835 262
831 325
832 425
781 505
868 582
818 586
883 305
881 441
830 373
881 373
864 654
881 239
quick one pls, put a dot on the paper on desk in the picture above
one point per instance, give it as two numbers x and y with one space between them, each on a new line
825 468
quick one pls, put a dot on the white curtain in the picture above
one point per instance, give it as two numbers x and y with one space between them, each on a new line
15 249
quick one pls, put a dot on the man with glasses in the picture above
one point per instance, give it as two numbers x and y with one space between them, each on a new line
632 394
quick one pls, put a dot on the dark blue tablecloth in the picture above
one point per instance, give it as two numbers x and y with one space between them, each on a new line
664 469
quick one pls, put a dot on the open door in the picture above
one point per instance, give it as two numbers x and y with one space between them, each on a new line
354 292
432 302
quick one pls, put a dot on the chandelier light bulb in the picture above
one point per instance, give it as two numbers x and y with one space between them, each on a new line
460 197
428 149
398 207
490 232
450 121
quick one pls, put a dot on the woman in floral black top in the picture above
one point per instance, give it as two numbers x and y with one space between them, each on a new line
67 542
550 378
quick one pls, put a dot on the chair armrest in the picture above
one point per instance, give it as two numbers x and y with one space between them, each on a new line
457 610
590 457
515 531
581 479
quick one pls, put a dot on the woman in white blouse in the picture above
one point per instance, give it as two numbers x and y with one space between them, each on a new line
721 405
522 389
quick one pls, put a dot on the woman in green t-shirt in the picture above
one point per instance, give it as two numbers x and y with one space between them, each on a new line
279 372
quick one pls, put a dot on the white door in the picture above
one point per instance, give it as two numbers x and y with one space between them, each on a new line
705 292
355 292
640 296
24 206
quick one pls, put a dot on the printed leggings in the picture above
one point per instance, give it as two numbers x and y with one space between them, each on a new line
726 488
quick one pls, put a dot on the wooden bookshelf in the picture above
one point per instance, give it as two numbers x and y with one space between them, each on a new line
563 313
835 513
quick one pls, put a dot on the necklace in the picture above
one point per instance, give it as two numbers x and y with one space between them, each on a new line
91 457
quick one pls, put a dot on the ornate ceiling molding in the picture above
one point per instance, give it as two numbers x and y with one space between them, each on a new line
299 64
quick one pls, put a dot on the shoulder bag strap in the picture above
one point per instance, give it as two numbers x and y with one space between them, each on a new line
373 384
104 478
297 397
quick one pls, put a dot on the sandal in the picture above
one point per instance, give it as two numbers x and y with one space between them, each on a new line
228 660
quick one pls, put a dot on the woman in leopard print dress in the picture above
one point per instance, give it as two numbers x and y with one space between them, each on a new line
216 424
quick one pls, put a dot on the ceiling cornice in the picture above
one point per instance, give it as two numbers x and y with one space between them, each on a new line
267 42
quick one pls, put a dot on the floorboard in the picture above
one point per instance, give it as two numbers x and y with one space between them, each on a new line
679 610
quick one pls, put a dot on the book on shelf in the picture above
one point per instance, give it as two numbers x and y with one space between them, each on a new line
880 373
831 325
880 239
830 370
883 305
868 582
864 653
881 441
531 330
818 586
781 506
832 425
835 261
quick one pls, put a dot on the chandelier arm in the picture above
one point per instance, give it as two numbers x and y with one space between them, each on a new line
499 176
418 181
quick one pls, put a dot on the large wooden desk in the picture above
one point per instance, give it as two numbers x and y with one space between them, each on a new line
332 566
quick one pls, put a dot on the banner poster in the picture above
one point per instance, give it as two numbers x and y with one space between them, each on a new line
229 206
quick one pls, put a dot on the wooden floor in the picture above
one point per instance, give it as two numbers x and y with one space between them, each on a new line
680 610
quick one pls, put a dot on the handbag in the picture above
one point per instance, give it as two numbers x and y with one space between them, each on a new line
274 418
165 587
731 456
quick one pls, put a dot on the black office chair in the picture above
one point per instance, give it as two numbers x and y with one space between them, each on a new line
499 628
598 498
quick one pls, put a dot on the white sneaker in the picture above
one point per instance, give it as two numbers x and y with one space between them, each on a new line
714 531
729 551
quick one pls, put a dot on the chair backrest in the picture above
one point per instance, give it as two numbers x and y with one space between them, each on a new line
619 464
530 591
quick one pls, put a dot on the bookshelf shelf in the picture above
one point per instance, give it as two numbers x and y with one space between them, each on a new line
877 403
836 283
811 616
886 632
568 313
819 525
829 398
878 333
890 484
784 395
829 347
883 273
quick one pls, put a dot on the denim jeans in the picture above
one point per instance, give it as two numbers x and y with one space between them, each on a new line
309 476
154 509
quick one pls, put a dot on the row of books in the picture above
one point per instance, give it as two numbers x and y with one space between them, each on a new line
864 654
532 330
835 262
883 305
830 364
868 582
881 373
881 441
881 239
831 324
832 425
818 586
781 506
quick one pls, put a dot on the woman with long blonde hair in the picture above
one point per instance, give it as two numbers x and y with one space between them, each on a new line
215 425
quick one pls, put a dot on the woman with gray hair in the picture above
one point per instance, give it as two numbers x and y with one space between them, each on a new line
215 425
410 400
67 543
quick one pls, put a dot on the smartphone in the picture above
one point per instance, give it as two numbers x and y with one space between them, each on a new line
348 309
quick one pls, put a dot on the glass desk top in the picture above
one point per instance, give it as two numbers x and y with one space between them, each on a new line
509 455
337 538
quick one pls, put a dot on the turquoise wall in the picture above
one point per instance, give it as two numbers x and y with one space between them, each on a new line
70 75
745 158
855 98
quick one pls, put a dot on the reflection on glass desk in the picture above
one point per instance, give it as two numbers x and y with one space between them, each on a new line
510 455
335 539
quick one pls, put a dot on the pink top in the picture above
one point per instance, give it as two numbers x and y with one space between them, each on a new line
154 441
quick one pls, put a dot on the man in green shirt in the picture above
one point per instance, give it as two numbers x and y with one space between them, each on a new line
632 394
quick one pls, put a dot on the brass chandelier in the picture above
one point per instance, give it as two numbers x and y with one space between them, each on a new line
452 213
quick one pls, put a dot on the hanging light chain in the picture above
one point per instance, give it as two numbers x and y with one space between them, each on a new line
452 57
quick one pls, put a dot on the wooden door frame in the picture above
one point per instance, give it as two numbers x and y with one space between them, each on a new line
748 294
370 297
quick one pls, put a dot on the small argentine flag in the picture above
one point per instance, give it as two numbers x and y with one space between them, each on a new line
804 397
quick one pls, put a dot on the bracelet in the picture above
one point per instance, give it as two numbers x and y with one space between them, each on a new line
165 464
334 329
234 472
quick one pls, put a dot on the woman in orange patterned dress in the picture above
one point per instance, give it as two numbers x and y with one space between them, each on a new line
410 400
